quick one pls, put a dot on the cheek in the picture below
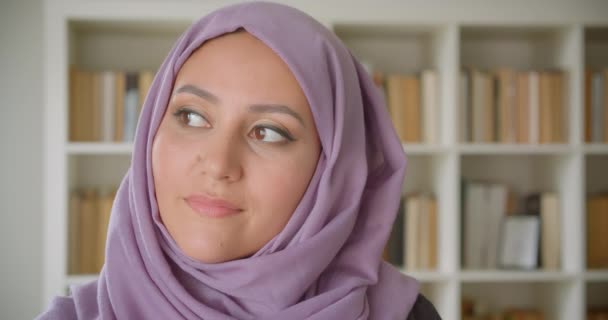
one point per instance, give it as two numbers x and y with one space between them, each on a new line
278 188
170 160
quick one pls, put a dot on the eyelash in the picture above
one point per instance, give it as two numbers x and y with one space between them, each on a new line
180 112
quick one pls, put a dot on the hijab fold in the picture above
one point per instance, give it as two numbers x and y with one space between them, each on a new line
326 263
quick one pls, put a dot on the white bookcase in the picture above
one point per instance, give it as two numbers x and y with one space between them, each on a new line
395 37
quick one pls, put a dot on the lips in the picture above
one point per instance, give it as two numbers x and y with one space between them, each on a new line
211 207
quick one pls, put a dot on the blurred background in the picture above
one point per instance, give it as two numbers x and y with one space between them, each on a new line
502 108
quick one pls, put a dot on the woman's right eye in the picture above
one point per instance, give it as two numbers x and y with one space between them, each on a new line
190 118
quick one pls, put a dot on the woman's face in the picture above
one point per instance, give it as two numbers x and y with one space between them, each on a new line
235 150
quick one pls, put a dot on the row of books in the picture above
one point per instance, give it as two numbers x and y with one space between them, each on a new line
88 225
476 310
413 240
503 230
105 105
597 314
596 106
597 229
510 106
412 102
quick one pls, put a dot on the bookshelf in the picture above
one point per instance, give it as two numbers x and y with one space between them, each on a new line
394 39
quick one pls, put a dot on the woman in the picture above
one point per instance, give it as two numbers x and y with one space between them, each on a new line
264 181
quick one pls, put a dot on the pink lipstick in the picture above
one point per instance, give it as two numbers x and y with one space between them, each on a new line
215 208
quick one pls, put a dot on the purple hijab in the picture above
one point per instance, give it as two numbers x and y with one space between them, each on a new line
327 261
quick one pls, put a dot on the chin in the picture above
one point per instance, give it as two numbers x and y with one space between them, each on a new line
205 255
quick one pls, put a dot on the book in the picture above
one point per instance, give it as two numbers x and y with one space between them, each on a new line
496 209
523 107
534 107
395 102
430 107
478 105
519 242
597 110
506 98
412 113
88 232
105 203
605 105
588 103
131 106
145 79
464 106
395 243
119 105
474 220
412 224
74 240
550 232
107 96
597 225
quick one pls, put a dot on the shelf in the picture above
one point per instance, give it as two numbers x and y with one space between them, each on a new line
99 148
427 276
515 276
547 297
497 149
422 149
596 148
597 275
80 279
522 173
392 44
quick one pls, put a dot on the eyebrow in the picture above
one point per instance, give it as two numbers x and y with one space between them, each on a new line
257 108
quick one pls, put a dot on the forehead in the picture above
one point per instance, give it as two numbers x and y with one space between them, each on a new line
242 65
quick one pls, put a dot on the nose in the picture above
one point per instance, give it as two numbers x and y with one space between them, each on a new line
220 159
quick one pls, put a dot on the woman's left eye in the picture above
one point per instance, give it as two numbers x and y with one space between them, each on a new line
268 134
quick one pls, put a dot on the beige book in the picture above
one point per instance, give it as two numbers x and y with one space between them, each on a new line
74 233
545 108
423 232
85 104
490 109
523 108
411 89
430 106
478 106
550 231
433 234
588 78
74 117
534 106
506 105
605 105
144 82
107 105
119 105
395 101
412 227
557 110
597 224
463 104
96 106
105 208
88 232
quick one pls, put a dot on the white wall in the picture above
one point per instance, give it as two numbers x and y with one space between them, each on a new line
21 85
